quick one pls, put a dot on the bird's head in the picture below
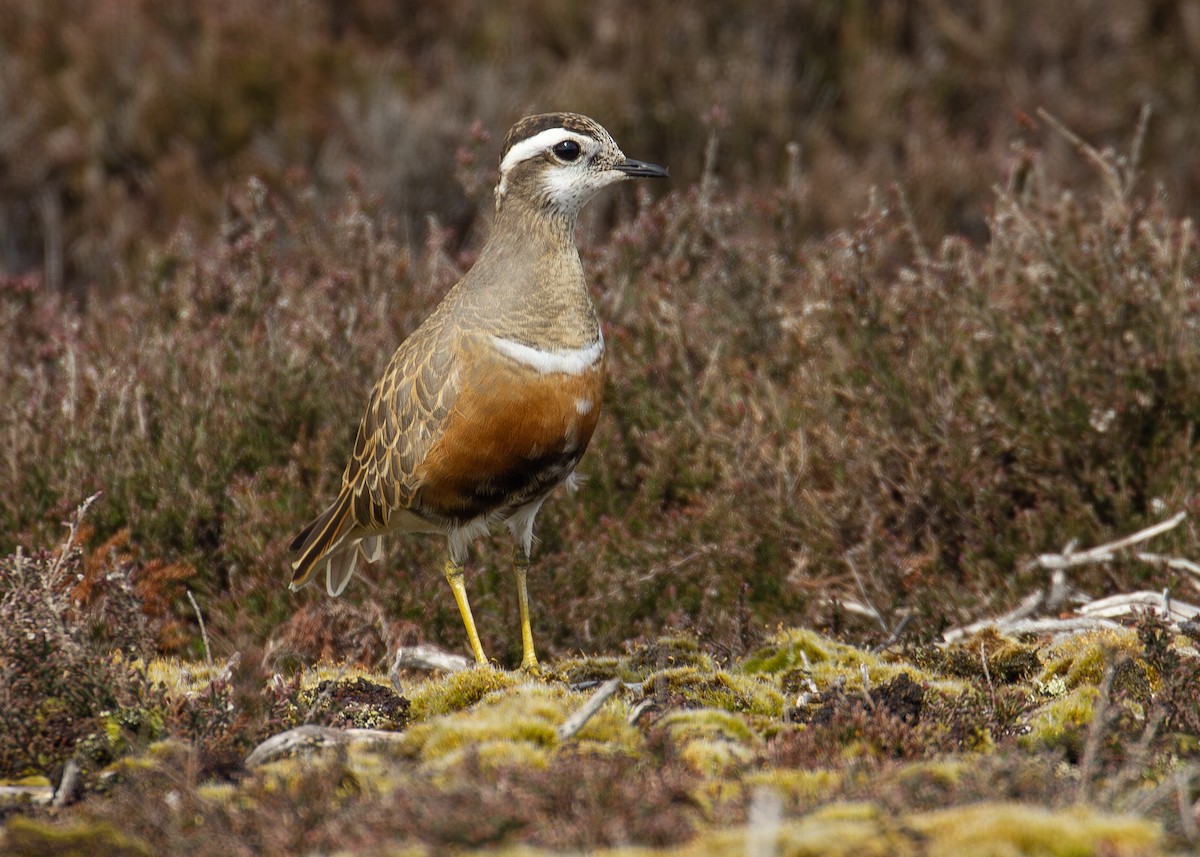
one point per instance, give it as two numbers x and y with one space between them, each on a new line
558 161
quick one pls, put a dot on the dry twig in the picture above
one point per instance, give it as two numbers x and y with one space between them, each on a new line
1092 614
1173 610
311 738
1104 553
208 658
1044 601
569 727
427 657
68 785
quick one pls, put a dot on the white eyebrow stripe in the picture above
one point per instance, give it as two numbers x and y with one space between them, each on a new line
572 361
543 140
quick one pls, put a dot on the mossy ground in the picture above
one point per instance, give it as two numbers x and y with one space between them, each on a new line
876 756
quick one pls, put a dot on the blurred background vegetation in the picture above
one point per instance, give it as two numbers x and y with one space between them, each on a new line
887 334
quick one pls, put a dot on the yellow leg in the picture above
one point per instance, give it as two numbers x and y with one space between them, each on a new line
454 576
529 661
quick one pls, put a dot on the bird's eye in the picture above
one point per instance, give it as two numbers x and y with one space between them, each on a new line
567 150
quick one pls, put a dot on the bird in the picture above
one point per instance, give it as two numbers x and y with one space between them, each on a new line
490 403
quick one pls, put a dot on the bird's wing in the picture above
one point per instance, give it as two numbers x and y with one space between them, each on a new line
404 418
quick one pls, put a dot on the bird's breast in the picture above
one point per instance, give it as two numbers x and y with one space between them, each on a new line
518 426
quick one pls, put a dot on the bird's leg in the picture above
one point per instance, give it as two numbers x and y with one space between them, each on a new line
529 661
454 576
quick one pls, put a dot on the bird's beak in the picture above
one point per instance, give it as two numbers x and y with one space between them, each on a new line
630 167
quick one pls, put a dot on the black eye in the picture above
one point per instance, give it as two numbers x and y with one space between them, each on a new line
567 150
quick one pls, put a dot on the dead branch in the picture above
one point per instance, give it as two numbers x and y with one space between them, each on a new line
1123 605
1068 626
1104 553
1047 600
426 657
1174 563
68 785
1092 614
208 658
569 727
36 795
311 738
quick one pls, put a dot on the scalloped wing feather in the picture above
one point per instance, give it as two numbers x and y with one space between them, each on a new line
402 420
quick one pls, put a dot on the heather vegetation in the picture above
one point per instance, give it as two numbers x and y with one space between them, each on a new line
918 305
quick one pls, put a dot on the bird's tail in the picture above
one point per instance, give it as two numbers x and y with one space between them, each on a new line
322 542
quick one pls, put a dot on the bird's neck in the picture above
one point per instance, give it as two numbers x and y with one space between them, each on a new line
528 281
533 225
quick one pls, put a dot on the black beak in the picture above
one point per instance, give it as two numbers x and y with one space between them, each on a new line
630 167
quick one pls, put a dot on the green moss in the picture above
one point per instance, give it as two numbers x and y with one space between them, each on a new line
339 672
712 741
1013 663
1082 659
24 837
791 648
1006 660
978 830
170 754
799 655
609 731
807 785
844 830
719 689
714 757
945 771
985 829
181 677
217 792
707 723
670 652
525 716
167 751
457 691
519 726
853 664
495 754
588 669
1060 722
440 738
361 766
